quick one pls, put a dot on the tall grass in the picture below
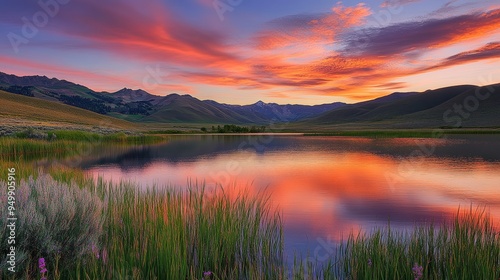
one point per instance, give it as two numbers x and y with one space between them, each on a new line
162 233
120 137
467 248
169 234
26 149
66 143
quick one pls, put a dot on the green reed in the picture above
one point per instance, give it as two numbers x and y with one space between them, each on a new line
66 144
119 137
467 248
165 233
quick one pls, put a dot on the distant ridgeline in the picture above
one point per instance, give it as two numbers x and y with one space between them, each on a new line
102 103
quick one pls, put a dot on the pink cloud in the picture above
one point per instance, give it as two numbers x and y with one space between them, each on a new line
311 29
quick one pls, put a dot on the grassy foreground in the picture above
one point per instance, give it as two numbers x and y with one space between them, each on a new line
467 248
118 231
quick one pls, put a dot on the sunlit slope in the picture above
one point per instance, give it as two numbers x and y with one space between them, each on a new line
22 108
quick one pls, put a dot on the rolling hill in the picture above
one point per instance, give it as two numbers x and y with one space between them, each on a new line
18 108
185 108
432 108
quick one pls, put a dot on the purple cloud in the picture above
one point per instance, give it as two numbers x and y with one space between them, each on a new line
395 3
419 36
488 51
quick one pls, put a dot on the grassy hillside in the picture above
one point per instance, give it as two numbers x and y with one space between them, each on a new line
417 103
487 113
28 110
422 110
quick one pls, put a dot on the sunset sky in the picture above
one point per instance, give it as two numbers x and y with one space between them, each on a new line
242 51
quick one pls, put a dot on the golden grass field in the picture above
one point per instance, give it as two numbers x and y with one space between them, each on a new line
23 110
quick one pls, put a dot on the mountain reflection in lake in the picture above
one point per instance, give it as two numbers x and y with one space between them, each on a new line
326 186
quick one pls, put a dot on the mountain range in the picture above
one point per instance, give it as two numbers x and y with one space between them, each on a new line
139 105
432 108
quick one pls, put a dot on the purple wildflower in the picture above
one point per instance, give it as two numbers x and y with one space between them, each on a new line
207 274
43 268
95 251
417 271
369 262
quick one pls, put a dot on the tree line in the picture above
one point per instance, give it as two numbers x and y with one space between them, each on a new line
231 128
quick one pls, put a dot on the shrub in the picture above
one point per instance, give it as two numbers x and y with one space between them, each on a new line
31 133
54 220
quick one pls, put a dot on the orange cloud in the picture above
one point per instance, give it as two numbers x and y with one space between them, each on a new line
311 29
357 71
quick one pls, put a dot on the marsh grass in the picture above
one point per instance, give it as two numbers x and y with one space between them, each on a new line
169 234
467 248
27 149
120 137
66 144
165 233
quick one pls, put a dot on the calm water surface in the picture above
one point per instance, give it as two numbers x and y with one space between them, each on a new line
326 187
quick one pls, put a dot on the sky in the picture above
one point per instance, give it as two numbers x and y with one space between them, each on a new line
242 51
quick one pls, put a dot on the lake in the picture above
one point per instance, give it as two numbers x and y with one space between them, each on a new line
325 187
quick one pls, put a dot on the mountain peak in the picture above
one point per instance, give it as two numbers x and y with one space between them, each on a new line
129 90
132 95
